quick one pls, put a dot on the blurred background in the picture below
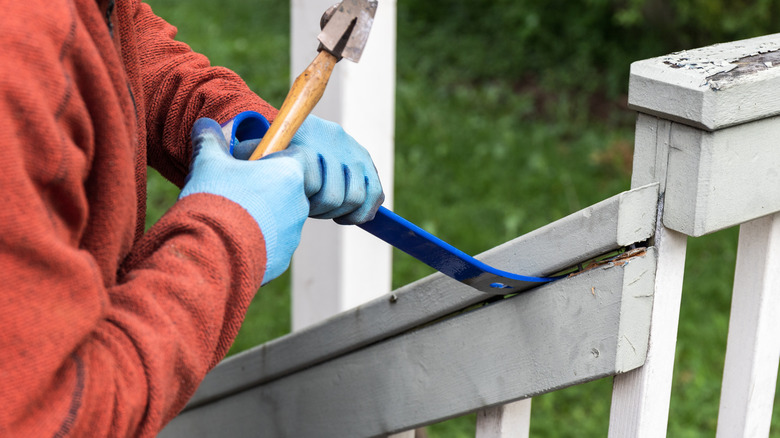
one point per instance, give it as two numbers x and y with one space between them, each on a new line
510 114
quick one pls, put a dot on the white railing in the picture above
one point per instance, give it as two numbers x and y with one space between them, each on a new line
707 157
708 131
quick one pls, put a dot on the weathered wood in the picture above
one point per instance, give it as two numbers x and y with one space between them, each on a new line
750 371
640 398
570 331
719 104
710 87
622 220
712 148
714 179
724 178
651 151
512 420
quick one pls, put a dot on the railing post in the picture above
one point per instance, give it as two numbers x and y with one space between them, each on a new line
707 132
336 268
640 401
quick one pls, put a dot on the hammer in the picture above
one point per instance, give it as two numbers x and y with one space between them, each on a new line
345 27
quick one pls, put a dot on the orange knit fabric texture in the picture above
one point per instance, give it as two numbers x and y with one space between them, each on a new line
105 330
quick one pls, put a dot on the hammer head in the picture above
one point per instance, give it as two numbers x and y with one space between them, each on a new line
346 26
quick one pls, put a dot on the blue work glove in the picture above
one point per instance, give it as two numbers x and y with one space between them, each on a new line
270 189
340 179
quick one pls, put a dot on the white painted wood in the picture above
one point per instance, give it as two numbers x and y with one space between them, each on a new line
560 334
708 180
724 178
713 149
711 180
335 267
651 151
407 434
753 350
640 398
512 420
711 87
619 221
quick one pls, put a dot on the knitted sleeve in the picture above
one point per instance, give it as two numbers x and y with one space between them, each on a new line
100 335
179 86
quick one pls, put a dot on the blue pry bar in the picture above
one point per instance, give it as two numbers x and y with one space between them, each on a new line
410 238
445 258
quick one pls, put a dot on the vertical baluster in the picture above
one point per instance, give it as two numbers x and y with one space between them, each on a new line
750 372
509 420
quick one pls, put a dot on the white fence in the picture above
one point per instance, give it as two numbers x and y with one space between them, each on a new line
707 157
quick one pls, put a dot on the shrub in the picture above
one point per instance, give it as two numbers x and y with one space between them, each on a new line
581 45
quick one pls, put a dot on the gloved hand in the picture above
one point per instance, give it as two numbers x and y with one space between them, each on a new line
271 190
340 179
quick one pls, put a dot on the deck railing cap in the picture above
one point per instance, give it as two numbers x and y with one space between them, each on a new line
711 87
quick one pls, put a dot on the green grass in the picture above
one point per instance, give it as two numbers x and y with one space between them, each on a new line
479 163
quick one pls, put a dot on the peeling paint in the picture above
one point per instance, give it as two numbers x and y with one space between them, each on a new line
722 70
743 67
618 260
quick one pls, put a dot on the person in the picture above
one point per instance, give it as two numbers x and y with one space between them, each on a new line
107 330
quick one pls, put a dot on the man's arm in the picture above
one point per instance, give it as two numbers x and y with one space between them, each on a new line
178 87
91 348
90 357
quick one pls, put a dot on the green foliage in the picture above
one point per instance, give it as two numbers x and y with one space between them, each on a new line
582 45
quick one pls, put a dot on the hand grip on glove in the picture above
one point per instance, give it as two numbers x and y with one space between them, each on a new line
340 179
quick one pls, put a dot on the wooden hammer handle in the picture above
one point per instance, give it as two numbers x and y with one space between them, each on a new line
306 91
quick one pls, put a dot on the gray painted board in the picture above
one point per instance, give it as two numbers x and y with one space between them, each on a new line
651 151
711 87
582 328
619 221
724 178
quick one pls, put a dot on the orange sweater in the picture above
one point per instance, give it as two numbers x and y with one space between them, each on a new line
105 331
